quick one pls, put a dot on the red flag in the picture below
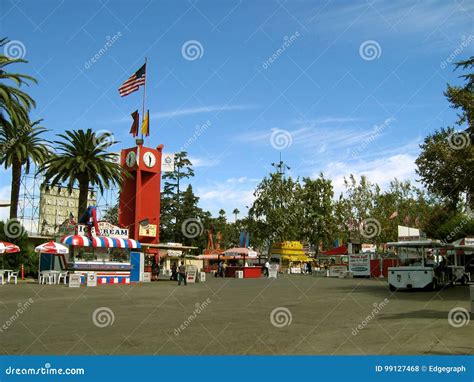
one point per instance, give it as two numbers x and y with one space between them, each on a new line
134 128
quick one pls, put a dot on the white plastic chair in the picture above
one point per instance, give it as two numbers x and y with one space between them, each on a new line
45 275
13 275
62 275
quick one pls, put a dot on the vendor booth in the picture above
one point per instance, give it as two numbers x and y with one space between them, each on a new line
290 255
112 256
242 260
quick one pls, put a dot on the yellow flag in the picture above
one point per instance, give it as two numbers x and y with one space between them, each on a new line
146 125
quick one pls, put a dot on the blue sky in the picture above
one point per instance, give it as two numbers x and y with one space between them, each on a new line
337 87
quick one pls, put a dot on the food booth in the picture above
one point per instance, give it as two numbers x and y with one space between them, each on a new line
290 255
337 260
242 259
111 255
167 254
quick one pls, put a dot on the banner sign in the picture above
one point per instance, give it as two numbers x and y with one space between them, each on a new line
105 229
167 163
359 264
147 231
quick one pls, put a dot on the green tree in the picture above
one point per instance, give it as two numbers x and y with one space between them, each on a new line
20 146
171 213
15 104
446 161
111 214
236 213
317 205
82 159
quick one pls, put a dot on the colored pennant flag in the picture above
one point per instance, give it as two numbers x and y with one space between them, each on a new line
394 215
134 82
145 124
136 120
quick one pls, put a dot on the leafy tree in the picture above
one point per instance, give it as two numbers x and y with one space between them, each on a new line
171 214
317 205
82 159
446 162
111 214
14 103
20 146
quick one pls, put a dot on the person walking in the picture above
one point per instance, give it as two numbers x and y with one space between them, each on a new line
182 274
310 268
174 272
267 266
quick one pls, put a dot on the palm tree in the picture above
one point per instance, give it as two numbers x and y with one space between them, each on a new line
236 212
20 146
14 102
82 159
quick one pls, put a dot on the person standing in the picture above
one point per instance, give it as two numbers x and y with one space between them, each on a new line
182 274
267 267
224 267
174 272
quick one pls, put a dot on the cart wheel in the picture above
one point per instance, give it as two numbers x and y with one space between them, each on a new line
392 288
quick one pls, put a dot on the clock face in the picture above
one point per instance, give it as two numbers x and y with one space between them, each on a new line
131 159
149 159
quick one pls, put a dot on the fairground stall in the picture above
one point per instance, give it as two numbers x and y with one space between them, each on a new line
7 274
111 255
242 262
290 255
336 260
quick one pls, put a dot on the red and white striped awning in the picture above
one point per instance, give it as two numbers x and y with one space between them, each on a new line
99 242
53 248
8 247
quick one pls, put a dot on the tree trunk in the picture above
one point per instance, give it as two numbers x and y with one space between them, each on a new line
15 188
83 196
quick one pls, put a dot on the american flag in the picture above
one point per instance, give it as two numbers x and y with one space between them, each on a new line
134 82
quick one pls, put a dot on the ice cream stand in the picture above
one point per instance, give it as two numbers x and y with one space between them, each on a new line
242 255
111 255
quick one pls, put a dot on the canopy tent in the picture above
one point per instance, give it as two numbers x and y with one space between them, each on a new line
240 251
338 251
52 248
6 247
99 242
296 258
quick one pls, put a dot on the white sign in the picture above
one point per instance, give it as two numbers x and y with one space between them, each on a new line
273 271
167 163
92 279
335 270
146 277
191 273
105 229
74 280
359 264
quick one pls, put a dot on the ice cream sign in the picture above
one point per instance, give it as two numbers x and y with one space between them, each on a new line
105 229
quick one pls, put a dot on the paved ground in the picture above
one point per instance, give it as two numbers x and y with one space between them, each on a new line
233 316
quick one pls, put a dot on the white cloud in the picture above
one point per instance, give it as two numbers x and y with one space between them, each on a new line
198 110
381 170
204 162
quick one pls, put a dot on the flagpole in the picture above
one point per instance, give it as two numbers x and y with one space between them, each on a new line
144 97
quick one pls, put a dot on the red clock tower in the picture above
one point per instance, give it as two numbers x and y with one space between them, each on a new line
139 207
